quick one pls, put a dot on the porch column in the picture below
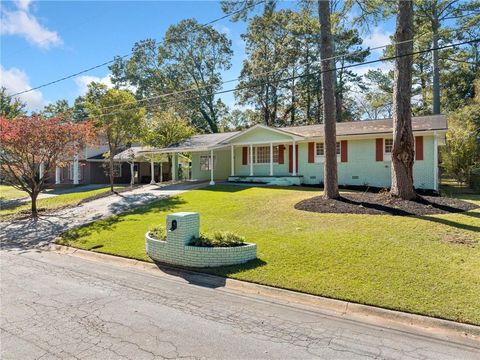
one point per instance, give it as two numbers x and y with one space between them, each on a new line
294 160
174 167
161 171
232 161
271 159
132 173
152 171
41 170
435 161
211 168
251 160
57 175
75 170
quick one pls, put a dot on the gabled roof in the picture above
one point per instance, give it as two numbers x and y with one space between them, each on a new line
364 127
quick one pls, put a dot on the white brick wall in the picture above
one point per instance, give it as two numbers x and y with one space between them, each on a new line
177 251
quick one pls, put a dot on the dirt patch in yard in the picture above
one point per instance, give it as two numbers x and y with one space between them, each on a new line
384 204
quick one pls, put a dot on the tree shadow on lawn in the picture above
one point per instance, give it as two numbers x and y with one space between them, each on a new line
455 224
208 277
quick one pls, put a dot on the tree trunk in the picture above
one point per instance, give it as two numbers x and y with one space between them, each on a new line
436 70
328 100
33 197
403 153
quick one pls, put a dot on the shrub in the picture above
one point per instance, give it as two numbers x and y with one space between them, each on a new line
159 233
218 239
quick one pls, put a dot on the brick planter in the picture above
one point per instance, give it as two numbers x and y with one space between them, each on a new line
175 250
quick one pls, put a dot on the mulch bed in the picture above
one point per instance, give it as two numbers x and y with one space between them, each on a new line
384 204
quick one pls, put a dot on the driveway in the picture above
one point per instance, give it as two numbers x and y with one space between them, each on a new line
64 307
27 233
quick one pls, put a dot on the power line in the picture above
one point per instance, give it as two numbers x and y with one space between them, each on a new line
126 55
294 77
270 72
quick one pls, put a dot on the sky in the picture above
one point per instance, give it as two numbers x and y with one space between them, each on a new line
42 41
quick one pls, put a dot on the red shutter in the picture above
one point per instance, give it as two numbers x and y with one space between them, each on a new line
344 151
281 156
290 158
245 155
311 152
379 150
418 147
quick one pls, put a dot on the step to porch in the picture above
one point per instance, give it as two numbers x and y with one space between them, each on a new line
269 180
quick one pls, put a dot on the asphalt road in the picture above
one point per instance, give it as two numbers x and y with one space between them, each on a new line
62 306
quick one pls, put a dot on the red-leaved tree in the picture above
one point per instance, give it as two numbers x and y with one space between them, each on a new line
27 143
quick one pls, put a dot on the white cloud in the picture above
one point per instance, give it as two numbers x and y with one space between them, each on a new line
23 4
378 38
223 29
385 66
16 80
83 81
21 22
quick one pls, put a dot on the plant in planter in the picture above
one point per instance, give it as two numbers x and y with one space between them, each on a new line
217 239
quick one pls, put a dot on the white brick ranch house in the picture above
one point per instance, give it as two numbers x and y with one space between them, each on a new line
295 155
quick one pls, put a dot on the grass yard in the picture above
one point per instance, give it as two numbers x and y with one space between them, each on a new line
8 192
428 265
47 204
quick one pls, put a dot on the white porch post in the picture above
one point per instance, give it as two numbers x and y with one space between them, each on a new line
232 161
75 170
294 160
161 171
57 175
211 168
271 159
132 175
41 170
251 160
152 171
174 167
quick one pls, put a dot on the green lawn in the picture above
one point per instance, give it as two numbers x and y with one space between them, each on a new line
403 263
47 204
8 192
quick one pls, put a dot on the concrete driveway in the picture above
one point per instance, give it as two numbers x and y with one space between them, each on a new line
27 233
65 307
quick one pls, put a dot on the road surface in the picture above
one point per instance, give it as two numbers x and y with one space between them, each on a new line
62 306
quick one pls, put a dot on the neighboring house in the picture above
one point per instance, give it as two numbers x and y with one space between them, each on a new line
295 155
91 167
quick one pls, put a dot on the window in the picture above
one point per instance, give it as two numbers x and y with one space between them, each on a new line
338 148
205 162
319 149
262 154
388 146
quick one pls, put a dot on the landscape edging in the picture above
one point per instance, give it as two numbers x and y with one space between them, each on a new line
344 308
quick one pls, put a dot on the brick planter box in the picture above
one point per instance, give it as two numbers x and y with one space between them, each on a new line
176 251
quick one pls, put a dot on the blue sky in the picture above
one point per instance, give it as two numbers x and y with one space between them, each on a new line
45 40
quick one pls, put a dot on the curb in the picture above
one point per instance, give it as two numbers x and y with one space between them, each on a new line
351 310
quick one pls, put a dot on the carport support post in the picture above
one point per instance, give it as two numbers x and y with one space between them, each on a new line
161 171
41 170
152 171
251 160
57 175
271 159
174 167
232 161
75 170
211 168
